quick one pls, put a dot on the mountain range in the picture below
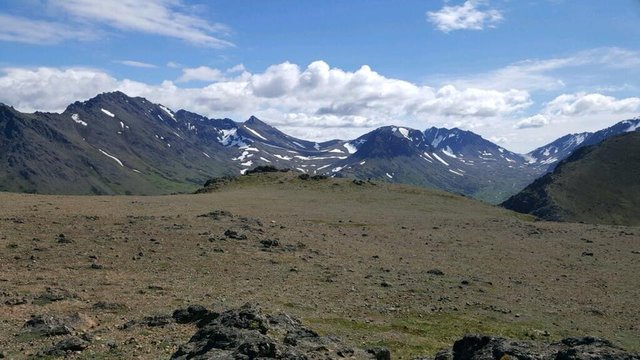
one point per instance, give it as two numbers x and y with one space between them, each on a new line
116 144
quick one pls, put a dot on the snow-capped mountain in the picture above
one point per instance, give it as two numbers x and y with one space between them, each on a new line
116 144
549 155
454 160
471 147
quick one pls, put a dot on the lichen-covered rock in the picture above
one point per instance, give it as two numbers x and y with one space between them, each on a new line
482 347
247 333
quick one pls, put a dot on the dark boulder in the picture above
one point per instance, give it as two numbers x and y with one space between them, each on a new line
482 347
48 325
247 333
69 344
193 314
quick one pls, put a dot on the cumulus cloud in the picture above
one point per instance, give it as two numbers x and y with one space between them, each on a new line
50 88
318 97
137 64
583 104
471 15
201 73
535 121
578 106
20 29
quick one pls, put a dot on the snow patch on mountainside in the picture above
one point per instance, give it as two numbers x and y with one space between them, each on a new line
350 148
169 112
255 133
109 113
231 138
440 159
404 132
112 157
632 126
282 157
447 151
76 118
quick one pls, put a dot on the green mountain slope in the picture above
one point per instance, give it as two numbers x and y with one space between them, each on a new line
596 184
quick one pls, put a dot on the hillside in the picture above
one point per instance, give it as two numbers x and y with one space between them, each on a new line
596 184
373 263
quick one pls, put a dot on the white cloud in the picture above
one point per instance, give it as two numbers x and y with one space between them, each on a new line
312 100
20 29
50 88
320 102
160 17
236 69
574 108
201 73
169 18
544 74
137 64
173 65
472 15
583 104
535 121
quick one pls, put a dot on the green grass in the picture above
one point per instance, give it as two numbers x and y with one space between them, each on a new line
165 184
413 336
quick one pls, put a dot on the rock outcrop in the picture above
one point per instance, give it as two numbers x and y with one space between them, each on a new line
481 347
247 333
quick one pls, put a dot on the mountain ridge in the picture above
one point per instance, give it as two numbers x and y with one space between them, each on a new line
116 144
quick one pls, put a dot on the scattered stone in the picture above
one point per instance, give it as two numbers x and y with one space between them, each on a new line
269 243
386 284
16 301
107 306
193 314
436 272
587 253
217 214
53 294
69 344
233 234
62 239
157 320
304 176
44 325
96 266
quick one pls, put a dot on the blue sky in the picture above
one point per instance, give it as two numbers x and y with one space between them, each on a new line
520 73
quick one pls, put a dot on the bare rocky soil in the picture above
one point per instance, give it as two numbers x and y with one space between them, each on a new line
372 265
